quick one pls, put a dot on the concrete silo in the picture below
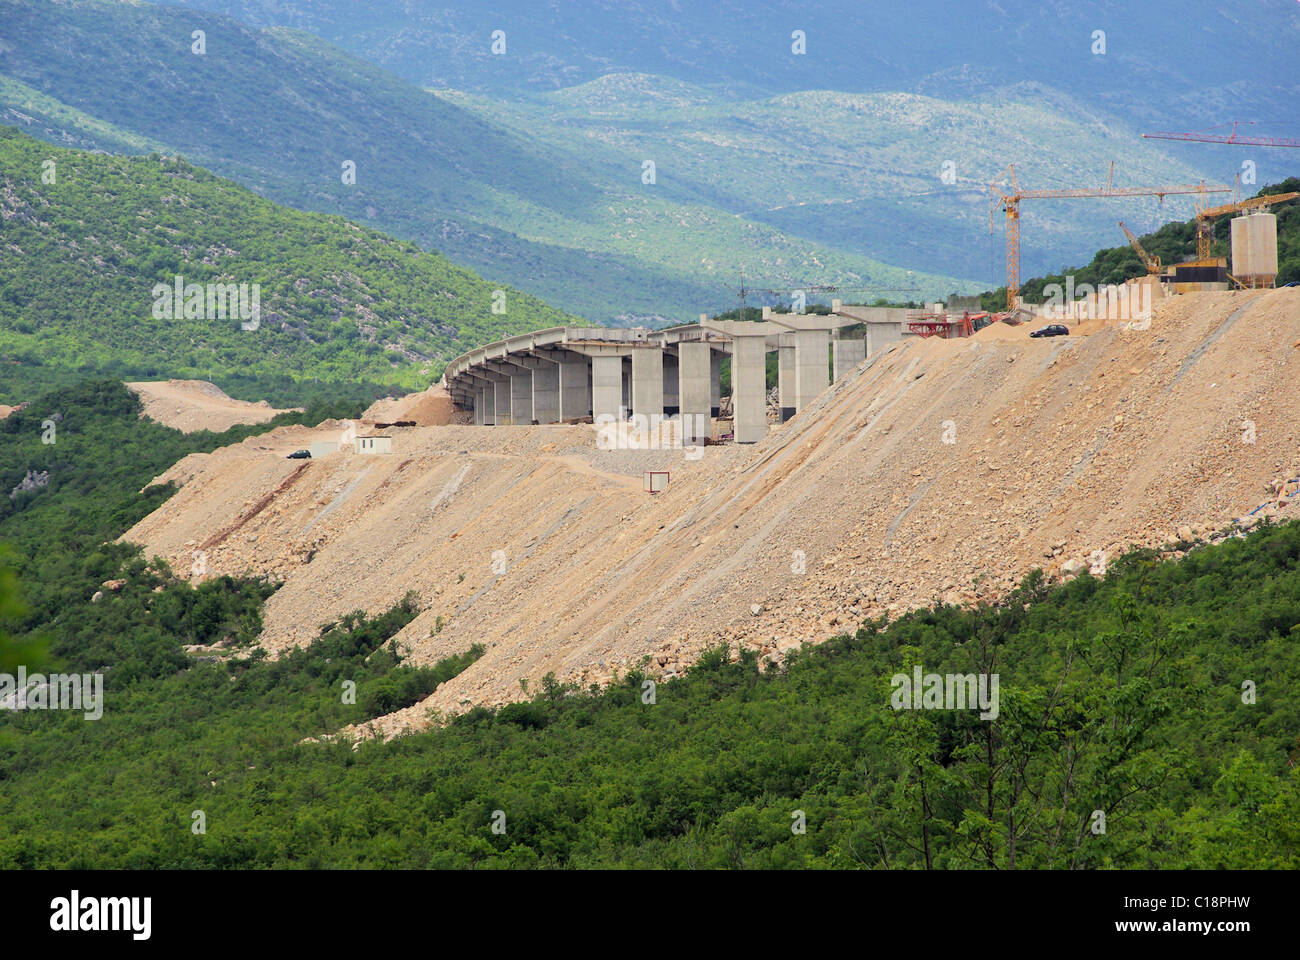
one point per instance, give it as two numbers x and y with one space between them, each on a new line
1254 249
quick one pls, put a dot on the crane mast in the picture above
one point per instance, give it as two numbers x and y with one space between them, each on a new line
1205 218
1152 263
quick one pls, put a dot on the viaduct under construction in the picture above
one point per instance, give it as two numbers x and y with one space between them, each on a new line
565 374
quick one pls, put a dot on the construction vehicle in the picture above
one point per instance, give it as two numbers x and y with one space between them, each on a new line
1010 202
943 325
1151 262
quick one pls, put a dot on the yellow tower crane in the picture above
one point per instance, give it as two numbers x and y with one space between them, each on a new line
1205 218
1010 202
1150 261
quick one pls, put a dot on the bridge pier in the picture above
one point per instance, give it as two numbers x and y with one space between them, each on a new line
501 402
546 392
785 376
575 389
715 383
749 386
521 397
694 387
606 387
648 383
812 365
847 355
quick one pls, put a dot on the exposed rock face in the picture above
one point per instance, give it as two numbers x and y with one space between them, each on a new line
33 480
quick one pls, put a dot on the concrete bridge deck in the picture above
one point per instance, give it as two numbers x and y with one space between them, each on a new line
566 373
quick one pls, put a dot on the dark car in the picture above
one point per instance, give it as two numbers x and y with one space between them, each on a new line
299 455
1051 330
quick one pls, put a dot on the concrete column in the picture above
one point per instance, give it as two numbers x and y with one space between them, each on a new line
749 387
575 389
848 354
672 403
812 365
695 363
785 367
546 392
648 383
480 407
521 397
606 387
715 382
501 402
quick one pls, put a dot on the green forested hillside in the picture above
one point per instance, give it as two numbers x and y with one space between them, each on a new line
339 302
1123 698
1172 243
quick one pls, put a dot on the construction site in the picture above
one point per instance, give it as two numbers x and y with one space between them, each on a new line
933 470
589 501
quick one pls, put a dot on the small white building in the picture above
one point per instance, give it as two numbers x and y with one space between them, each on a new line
376 443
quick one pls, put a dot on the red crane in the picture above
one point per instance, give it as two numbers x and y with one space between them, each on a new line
1203 136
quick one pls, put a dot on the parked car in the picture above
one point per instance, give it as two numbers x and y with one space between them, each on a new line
299 455
1051 330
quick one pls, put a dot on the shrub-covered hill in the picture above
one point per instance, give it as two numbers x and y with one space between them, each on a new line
1145 718
88 236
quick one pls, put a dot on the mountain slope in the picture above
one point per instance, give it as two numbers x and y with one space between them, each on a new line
281 112
1163 61
862 171
337 301
1144 666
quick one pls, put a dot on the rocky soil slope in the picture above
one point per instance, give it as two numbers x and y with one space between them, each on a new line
937 471
192 405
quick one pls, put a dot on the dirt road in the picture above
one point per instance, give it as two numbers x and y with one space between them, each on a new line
192 405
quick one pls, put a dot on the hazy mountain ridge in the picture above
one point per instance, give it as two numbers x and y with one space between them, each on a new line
1161 59
862 170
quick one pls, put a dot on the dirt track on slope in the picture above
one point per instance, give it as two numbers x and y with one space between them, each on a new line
428 408
193 405
860 506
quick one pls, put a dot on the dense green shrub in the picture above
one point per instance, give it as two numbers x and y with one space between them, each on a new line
1159 695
